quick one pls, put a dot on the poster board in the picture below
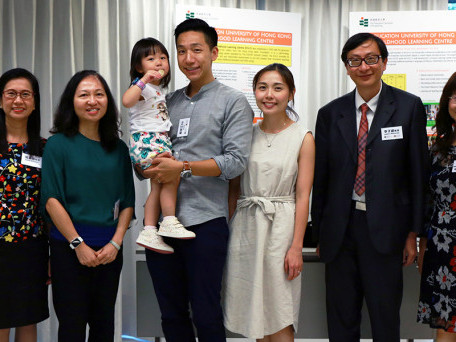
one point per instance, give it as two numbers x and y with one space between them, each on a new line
422 51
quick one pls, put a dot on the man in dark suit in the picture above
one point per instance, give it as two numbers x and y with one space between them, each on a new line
370 172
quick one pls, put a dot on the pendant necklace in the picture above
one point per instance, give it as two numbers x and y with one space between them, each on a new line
266 137
269 142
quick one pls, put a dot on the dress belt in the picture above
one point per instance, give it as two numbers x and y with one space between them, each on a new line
266 203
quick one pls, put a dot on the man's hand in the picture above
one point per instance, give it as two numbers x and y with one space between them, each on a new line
152 172
164 168
409 253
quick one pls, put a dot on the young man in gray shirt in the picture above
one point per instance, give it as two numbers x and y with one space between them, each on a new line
211 136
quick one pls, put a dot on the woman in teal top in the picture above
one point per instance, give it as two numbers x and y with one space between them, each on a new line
88 193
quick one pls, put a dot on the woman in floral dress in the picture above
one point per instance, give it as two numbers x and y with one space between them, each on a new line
23 243
437 260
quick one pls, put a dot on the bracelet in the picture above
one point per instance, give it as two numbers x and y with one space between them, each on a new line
115 245
140 84
137 81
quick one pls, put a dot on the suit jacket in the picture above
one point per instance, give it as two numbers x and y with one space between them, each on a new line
396 171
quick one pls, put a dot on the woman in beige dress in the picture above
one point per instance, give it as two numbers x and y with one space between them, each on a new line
271 202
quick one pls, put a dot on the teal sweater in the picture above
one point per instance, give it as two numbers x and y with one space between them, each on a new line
86 179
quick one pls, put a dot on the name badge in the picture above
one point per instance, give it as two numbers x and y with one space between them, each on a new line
115 210
31 160
454 167
182 130
392 133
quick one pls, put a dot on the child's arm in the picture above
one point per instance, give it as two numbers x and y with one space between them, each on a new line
133 94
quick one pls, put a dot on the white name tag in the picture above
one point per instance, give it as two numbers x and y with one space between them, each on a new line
454 167
182 130
115 210
392 133
30 160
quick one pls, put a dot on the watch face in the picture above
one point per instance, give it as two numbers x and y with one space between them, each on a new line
186 174
75 243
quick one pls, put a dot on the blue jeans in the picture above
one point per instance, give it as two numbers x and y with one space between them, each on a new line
193 274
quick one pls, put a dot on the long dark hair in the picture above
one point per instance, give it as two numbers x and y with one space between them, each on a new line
443 121
34 120
143 48
288 78
67 122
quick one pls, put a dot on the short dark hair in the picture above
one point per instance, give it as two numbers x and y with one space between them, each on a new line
67 122
443 121
143 48
34 120
356 40
198 25
287 77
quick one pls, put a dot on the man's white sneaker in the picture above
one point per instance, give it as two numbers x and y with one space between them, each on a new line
171 227
148 238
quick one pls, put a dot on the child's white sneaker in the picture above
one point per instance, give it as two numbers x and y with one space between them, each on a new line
148 238
171 227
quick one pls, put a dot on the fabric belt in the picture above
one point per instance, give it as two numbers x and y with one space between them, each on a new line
360 205
266 203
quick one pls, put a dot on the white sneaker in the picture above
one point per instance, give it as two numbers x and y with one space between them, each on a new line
173 228
148 238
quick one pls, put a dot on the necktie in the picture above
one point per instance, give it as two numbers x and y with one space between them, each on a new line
360 184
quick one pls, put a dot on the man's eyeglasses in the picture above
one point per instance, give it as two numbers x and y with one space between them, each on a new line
369 60
12 94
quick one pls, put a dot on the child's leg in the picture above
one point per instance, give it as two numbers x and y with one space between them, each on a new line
148 237
170 226
168 197
152 205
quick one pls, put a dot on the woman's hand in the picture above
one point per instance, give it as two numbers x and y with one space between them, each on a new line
293 262
86 255
106 254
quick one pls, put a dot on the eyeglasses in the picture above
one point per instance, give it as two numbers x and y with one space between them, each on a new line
12 94
453 98
369 60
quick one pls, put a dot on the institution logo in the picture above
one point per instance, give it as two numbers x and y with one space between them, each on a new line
189 15
364 22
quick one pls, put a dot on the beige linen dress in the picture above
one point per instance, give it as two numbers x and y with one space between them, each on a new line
259 300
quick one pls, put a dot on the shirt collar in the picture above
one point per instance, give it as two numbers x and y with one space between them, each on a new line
373 101
203 89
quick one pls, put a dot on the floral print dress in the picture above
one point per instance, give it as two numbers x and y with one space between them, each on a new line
437 305
19 197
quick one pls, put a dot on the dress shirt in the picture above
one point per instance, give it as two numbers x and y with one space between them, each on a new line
220 128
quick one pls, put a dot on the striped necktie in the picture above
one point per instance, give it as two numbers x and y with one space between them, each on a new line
360 180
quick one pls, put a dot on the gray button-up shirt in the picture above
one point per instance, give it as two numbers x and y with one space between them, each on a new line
220 128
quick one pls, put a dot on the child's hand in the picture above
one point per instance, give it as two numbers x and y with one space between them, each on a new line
151 75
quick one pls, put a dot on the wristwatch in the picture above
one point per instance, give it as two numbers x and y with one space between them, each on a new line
186 170
76 242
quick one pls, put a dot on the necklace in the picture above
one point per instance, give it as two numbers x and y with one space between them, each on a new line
269 142
266 137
